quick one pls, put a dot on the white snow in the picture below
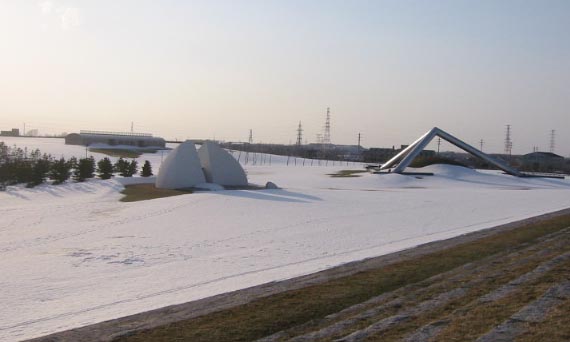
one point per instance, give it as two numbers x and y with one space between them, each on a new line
72 255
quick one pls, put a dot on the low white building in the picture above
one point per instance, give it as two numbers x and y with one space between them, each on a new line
139 140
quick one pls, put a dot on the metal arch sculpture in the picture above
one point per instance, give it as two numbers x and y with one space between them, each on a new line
403 159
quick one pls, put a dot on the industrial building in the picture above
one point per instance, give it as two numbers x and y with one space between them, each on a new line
12 133
140 140
380 155
543 162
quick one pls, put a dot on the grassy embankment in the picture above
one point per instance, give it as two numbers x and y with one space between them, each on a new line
288 309
143 192
347 173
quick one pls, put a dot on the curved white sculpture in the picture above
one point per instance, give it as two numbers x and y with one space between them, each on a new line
220 167
181 168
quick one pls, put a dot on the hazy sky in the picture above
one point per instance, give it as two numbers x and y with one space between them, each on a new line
202 69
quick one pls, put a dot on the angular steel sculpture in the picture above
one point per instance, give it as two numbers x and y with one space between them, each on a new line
403 159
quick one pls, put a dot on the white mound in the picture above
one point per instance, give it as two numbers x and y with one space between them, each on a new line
453 171
181 168
220 167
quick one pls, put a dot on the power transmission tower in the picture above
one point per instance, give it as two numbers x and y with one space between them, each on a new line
481 144
438 144
552 141
250 139
299 135
132 126
359 137
327 133
508 141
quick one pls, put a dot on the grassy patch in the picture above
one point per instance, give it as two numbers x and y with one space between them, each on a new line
143 192
470 318
271 314
476 319
119 153
347 173
556 326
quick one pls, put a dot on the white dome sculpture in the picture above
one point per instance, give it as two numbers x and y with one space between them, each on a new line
220 167
181 168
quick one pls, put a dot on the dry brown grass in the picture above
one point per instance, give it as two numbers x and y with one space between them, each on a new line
143 192
475 319
347 173
470 318
555 328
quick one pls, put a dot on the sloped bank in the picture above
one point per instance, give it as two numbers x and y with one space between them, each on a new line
263 310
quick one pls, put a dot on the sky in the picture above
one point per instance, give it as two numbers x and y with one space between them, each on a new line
390 70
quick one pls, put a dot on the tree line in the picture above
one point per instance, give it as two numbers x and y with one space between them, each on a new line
17 166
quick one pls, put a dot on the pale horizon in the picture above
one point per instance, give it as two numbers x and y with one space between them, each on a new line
206 70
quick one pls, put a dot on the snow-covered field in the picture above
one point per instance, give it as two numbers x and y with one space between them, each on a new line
72 255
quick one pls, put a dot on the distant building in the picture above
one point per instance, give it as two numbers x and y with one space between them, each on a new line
32 133
87 138
378 154
542 162
381 155
15 132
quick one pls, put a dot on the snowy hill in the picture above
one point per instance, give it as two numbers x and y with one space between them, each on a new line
72 255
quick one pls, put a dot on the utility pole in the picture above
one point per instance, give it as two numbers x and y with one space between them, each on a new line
132 126
250 140
359 136
481 144
438 144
